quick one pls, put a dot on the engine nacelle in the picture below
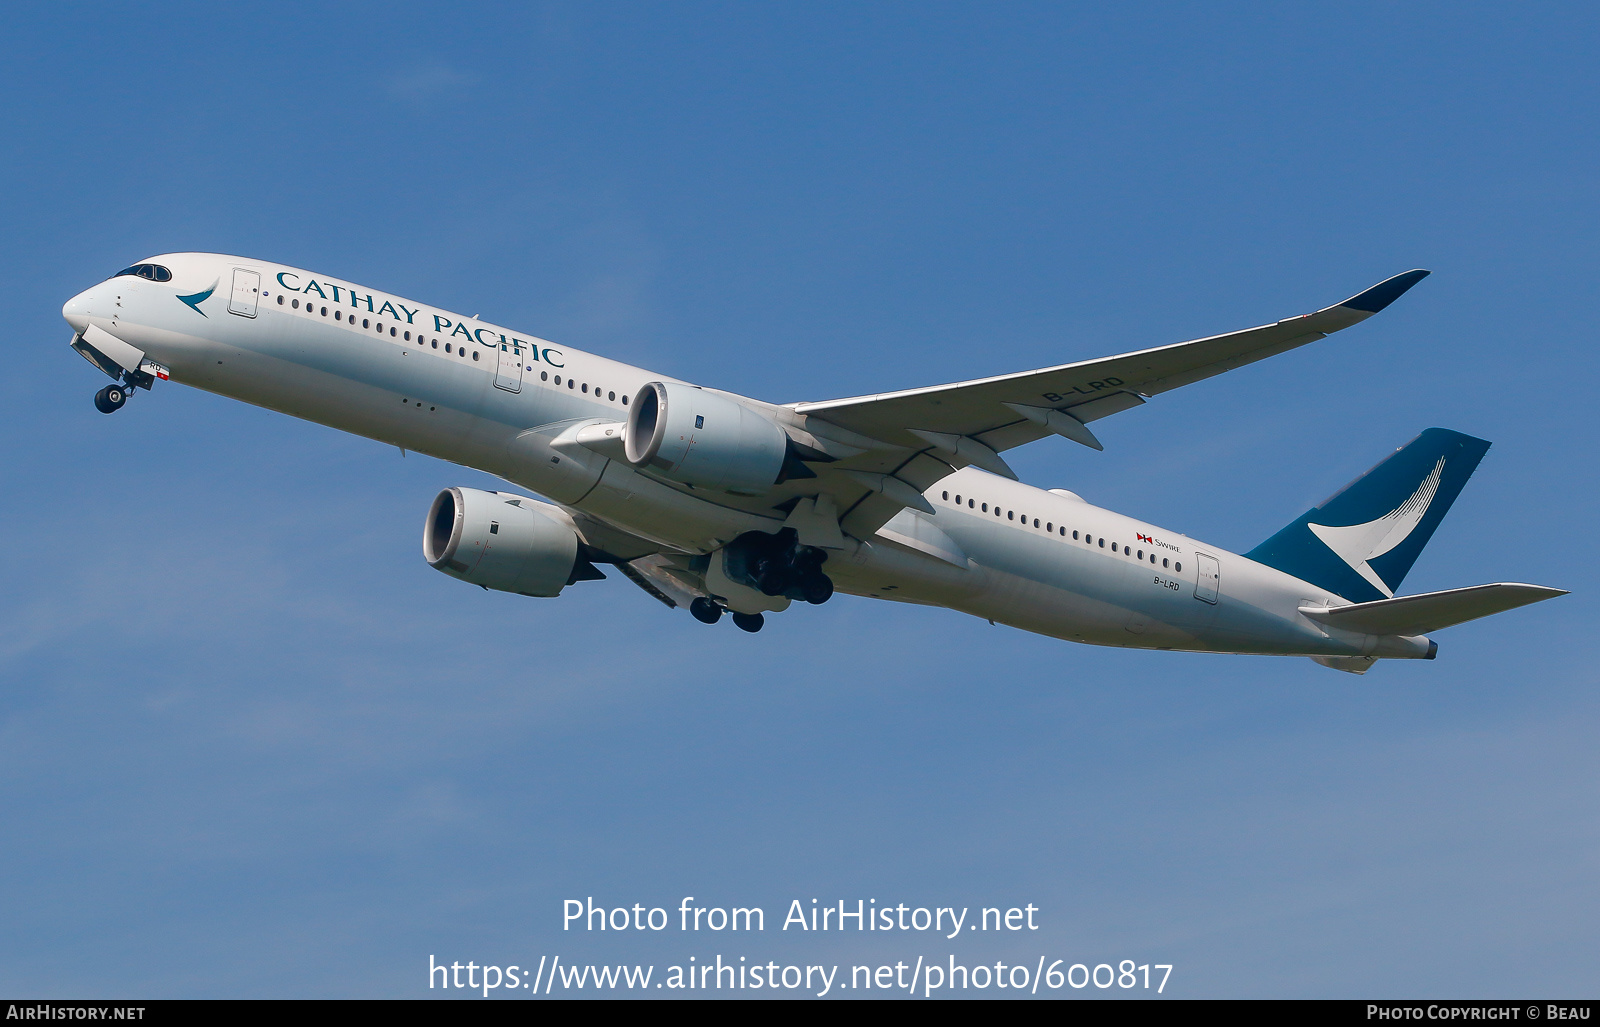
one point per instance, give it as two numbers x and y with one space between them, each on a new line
501 541
704 439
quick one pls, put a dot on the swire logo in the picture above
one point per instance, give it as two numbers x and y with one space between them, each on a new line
194 299
1145 538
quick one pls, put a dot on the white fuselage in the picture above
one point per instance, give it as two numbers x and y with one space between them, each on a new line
460 389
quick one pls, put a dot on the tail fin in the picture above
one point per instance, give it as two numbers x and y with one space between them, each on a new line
1360 543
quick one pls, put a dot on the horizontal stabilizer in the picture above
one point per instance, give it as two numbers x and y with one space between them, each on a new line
1430 611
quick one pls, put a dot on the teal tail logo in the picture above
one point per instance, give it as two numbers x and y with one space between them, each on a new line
194 299
1360 543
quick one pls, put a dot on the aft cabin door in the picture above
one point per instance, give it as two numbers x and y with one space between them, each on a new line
1208 579
508 375
246 292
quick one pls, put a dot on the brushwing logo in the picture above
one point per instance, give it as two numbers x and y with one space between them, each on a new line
194 299
1356 544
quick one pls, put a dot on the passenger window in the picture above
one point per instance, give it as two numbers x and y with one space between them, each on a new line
338 315
1178 567
1063 531
1074 534
1036 522
365 323
295 304
324 311
544 376
1011 515
391 331
474 354
447 348
558 379
969 504
1113 547
946 496
408 336
435 343
586 387
624 400
571 383
1164 563
1141 554
612 396
986 508
1050 526
280 299
1102 542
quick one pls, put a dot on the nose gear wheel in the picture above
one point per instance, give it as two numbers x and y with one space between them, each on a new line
110 399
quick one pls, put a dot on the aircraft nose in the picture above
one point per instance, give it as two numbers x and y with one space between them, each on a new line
76 310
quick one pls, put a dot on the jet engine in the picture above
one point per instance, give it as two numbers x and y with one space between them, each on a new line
704 439
505 542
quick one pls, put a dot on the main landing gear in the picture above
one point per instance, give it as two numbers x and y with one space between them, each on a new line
110 399
707 611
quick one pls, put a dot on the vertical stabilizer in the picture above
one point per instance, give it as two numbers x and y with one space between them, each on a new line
1361 542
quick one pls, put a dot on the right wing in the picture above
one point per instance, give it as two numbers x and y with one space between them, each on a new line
901 443
1088 389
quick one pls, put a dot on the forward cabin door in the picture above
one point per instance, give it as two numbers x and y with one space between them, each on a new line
246 292
1208 579
508 375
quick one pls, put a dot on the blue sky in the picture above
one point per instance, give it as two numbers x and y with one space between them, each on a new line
251 745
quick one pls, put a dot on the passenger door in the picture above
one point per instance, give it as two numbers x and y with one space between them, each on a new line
246 292
508 375
1208 578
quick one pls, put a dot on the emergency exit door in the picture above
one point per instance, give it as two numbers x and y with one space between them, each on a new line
508 375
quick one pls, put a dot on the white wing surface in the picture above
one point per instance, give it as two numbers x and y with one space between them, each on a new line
920 435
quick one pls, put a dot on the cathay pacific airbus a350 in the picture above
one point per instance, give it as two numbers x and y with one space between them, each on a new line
718 502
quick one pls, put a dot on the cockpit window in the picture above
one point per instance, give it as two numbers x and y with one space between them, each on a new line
152 272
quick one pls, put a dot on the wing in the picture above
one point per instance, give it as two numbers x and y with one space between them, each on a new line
1088 389
897 444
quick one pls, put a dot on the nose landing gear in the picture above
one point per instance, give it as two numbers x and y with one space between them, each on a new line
110 399
751 622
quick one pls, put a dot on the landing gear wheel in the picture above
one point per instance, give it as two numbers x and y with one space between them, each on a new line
817 590
750 622
110 399
705 611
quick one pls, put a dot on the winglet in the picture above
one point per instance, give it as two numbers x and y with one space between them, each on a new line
1385 292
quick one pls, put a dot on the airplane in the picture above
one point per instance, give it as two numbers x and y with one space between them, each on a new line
721 503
